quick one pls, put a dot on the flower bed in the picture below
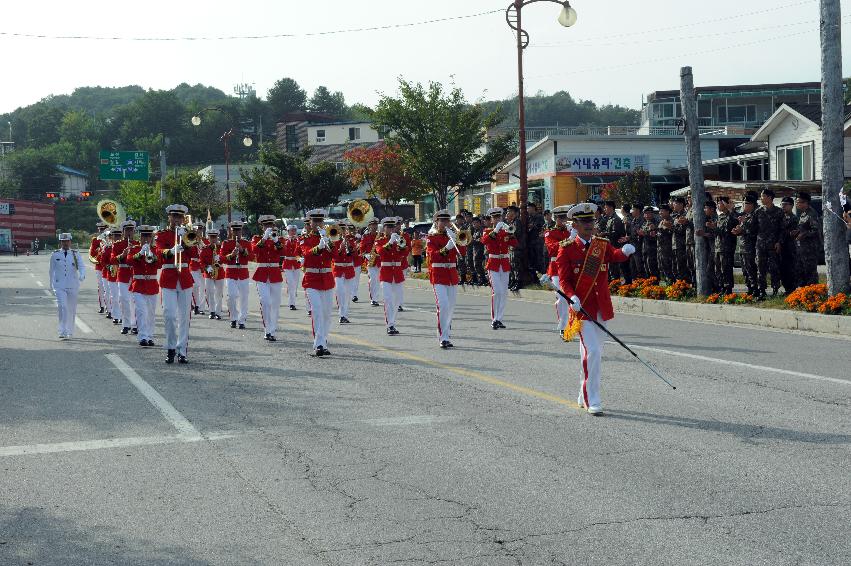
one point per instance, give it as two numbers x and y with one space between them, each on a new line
814 298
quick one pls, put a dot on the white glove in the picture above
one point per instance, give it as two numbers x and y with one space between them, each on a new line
450 244
628 249
499 226
275 239
394 238
267 234
181 231
177 249
323 244
210 269
575 304
323 233
82 276
216 257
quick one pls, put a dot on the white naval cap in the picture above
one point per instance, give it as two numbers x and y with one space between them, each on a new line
65 236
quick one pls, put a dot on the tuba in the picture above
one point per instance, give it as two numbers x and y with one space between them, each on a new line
334 232
360 212
111 212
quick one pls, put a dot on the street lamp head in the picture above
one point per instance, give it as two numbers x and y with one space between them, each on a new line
196 120
247 141
568 15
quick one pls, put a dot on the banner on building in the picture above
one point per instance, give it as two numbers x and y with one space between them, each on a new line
600 163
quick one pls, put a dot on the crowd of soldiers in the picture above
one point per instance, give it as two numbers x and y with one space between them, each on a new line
774 242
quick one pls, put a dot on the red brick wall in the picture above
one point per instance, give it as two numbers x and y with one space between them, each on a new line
30 220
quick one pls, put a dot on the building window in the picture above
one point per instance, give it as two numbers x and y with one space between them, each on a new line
292 140
737 114
340 165
795 162
320 136
354 134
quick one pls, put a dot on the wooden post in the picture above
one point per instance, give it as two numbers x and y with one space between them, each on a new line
832 174
695 174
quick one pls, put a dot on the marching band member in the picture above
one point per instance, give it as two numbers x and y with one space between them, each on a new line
583 275
213 273
67 270
110 272
344 253
94 253
236 252
318 279
443 272
498 243
291 265
552 238
195 268
357 259
175 283
392 251
144 264
367 245
268 278
118 258
405 264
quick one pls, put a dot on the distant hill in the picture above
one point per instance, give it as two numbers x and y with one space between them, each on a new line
561 109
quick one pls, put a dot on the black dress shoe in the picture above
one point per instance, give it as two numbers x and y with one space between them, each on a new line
292 308
319 352
169 356
125 330
100 311
400 309
272 338
449 344
309 313
134 331
143 343
182 360
242 327
500 324
266 337
109 316
344 320
218 316
202 312
212 316
494 325
392 331
354 299
233 324
116 321
195 310
325 351
374 303
444 344
151 343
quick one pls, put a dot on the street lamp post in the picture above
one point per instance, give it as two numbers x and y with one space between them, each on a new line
513 16
225 139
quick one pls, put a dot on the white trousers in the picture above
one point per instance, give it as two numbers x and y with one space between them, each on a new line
103 300
270 305
343 292
392 299
114 299
198 289
146 313
561 307
374 283
238 300
320 314
128 312
293 277
445 297
591 340
215 294
66 300
355 282
499 293
177 305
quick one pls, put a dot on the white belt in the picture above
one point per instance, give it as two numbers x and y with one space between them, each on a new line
552 259
443 265
391 264
240 266
123 265
267 265
317 270
499 256
344 265
172 266
145 277
291 258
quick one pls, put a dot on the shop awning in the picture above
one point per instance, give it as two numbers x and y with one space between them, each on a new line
667 180
510 187
597 180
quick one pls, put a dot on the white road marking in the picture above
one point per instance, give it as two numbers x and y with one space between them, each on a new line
82 325
172 415
408 420
85 445
39 283
739 364
48 293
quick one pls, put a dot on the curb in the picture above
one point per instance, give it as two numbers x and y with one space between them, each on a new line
768 318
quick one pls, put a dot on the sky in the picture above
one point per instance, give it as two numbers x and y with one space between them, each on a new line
618 51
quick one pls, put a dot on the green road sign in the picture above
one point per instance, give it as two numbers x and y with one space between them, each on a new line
124 165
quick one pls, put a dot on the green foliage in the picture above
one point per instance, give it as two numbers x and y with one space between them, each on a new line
77 215
326 102
198 94
633 188
95 100
197 192
441 137
544 110
31 173
141 201
286 96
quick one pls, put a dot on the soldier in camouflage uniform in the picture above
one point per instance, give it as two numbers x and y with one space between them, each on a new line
636 260
665 244
690 247
746 230
788 251
769 223
476 254
725 245
615 232
807 240
462 263
708 234
649 233
678 246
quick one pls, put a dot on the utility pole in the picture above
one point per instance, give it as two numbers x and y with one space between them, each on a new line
695 175
832 174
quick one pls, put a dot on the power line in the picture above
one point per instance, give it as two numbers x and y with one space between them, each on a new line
251 37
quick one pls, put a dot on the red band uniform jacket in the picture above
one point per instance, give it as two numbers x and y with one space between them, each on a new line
317 264
443 268
570 259
236 266
267 254
144 279
169 274
498 246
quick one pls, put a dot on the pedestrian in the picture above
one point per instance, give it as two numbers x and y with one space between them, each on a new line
549 223
650 250
769 223
808 240
708 235
746 231
678 245
67 271
788 249
14 248
478 255
725 245
498 243
535 242
36 245
665 244
582 281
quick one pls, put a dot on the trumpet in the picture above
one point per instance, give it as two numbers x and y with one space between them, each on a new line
462 237
510 229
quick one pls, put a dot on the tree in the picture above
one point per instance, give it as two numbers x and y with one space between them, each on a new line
441 137
286 96
141 201
31 173
632 188
380 167
198 192
326 102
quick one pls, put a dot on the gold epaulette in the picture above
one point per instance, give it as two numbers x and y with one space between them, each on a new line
566 242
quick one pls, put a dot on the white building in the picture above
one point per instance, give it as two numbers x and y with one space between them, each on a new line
74 182
342 133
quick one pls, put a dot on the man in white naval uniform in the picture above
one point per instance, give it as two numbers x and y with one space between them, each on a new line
67 270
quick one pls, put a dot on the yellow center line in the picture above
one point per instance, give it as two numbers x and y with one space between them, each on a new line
463 372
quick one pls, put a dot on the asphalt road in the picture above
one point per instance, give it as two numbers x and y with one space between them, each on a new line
394 451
